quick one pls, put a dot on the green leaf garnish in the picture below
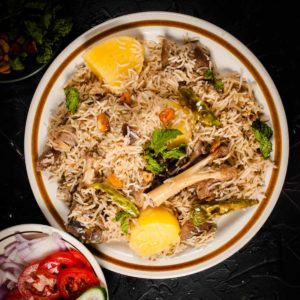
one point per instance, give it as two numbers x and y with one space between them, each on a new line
219 85
157 152
16 64
35 30
72 99
209 74
263 134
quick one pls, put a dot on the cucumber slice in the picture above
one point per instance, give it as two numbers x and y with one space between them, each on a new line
94 293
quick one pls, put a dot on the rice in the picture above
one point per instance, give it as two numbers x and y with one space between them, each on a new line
97 154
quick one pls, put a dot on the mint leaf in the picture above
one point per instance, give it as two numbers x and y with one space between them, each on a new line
153 165
157 152
265 147
175 153
160 138
72 99
262 128
263 133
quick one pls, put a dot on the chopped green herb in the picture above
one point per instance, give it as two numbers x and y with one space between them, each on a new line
209 74
35 31
263 134
62 27
176 152
47 18
36 27
123 217
153 165
219 85
16 64
157 152
46 54
72 99
161 137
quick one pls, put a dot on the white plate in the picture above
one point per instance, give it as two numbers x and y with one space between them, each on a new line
236 229
7 237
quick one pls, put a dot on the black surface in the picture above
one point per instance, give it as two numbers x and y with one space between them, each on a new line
268 267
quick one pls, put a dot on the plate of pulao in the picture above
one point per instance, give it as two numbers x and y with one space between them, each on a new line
159 140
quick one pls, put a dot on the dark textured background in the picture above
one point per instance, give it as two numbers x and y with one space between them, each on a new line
268 267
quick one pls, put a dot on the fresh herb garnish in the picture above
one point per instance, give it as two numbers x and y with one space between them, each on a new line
35 30
61 28
16 64
47 19
72 99
217 83
45 55
157 152
209 74
153 165
160 138
123 217
32 30
263 134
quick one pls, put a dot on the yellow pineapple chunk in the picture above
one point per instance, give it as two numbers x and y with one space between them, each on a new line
157 229
112 59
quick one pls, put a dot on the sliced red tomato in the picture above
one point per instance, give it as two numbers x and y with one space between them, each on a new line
80 257
36 286
72 282
14 295
58 261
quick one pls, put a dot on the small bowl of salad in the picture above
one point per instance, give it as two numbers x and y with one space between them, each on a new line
39 262
31 33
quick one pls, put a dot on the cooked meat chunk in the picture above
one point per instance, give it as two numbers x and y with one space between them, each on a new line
82 225
189 230
129 131
201 58
47 159
89 170
165 49
64 139
92 235
203 189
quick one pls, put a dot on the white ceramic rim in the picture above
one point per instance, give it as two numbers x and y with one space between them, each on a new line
271 87
40 228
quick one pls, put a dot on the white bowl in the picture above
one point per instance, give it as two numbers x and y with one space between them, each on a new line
7 237
236 229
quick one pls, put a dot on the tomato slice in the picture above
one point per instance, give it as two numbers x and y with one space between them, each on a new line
58 261
72 282
14 295
36 286
81 258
